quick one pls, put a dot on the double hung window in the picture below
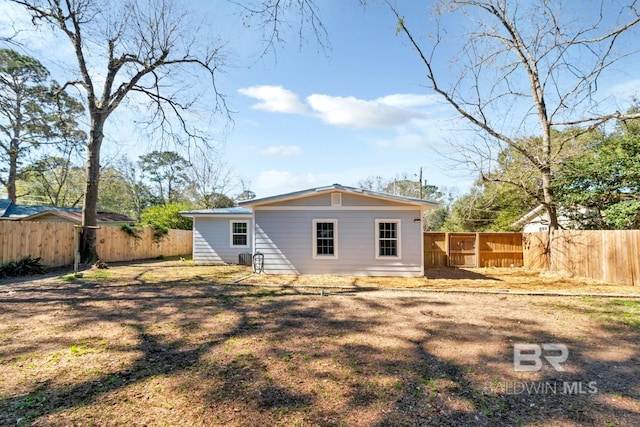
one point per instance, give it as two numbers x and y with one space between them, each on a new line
239 234
387 238
325 238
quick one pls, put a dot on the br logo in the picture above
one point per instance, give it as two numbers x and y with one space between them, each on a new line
528 357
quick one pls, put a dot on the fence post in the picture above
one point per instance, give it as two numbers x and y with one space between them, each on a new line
447 250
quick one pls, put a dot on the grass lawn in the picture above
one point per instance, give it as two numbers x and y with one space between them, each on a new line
166 343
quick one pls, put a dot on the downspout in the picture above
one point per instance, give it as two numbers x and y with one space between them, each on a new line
253 234
422 240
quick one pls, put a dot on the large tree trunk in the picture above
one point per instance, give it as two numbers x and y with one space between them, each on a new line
553 215
88 246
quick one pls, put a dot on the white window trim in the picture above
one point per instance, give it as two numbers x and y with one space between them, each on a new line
314 245
235 221
398 239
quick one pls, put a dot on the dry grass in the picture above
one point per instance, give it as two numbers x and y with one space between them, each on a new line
460 279
165 343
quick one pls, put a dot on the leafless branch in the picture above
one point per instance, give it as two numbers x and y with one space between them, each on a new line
147 43
521 66
274 17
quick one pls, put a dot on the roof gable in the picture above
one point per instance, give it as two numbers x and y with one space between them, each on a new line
321 196
4 205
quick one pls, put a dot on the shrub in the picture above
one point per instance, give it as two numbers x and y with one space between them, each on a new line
131 231
167 217
23 267
159 232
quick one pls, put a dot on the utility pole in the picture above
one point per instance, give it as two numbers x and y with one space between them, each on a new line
421 183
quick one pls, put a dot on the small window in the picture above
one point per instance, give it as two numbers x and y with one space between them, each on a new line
387 238
239 234
325 238
336 199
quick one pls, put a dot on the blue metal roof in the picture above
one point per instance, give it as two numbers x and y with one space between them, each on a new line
9 209
4 205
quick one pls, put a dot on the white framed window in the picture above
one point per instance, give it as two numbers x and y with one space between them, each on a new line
239 234
387 238
325 238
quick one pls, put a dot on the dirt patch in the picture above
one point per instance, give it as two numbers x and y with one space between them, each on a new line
166 344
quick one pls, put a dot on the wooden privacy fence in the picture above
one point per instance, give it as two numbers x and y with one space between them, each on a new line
472 249
612 256
53 242
116 245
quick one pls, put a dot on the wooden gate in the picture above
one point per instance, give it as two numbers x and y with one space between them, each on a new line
435 250
462 250
472 249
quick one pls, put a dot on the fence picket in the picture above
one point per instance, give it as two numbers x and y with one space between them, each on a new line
53 243
607 255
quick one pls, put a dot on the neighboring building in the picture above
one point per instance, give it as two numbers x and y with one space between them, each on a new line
5 204
537 220
326 230
14 212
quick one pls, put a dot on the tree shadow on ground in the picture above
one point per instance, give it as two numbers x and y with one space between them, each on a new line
454 273
224 355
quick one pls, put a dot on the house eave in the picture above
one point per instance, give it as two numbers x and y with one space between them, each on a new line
241 213
258 203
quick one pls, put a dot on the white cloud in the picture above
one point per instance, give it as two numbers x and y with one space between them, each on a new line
358 113
624 91
281 150
388 111
407 100
275 99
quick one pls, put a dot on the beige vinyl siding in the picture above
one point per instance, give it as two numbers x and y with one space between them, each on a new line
50 217
212 241
285 239
324 200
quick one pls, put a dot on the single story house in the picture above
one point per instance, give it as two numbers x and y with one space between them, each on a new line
326 230
220 236
14 212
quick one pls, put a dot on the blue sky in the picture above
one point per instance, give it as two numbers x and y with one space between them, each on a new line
307 116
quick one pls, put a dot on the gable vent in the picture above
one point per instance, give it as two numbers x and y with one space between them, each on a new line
336 199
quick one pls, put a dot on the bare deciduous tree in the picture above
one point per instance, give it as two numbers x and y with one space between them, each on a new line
126 48
525 70
56 178
209 177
